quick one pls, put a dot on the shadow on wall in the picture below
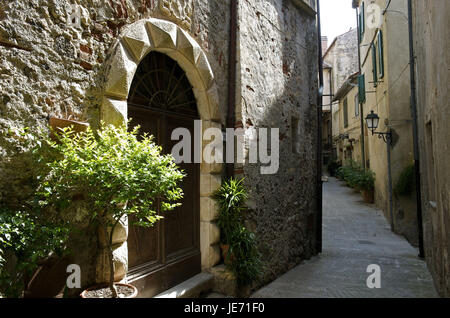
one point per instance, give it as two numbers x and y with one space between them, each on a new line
278 48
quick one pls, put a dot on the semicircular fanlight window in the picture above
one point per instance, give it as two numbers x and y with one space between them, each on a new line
162 86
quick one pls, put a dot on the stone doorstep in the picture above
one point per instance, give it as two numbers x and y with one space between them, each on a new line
224 281
191 288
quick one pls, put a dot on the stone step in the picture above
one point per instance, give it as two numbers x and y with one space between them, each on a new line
194 287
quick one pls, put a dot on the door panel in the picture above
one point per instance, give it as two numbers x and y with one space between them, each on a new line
181 223
169 252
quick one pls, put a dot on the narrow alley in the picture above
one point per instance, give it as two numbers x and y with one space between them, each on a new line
356 235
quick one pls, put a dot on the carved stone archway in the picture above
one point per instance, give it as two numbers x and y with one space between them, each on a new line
135 42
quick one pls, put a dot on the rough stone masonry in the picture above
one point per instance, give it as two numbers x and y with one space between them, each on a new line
53 65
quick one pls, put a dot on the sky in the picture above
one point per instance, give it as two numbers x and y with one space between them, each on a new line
337 17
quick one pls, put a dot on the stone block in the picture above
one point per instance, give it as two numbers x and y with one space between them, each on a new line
121 73
114 111
224 281
120 258
137 40
120 233
209 184
163 34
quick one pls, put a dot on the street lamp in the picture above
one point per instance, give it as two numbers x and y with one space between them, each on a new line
372 121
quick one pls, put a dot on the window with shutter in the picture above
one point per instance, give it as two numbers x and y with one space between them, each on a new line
362 88
380 54
359 28
374 65
363 19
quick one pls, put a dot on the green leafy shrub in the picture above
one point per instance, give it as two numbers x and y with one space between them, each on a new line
333 167
231 197
366 180
355 177
27 239
406 182
112 171
245 261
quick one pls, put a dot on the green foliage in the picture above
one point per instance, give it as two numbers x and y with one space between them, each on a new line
26 240
246 263
333 166
366 180
406 182
356 177
113 172
231 198
243 251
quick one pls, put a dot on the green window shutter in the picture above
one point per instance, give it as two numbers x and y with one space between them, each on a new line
363 19
362 88
380 54
374 65
345 113
359 28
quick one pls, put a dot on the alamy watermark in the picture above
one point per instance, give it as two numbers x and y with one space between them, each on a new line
74 279
241 146
374 279
74 16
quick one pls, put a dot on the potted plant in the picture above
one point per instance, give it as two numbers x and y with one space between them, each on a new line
238 245
58 123
367 185
333 167
231 198
117 175
27 241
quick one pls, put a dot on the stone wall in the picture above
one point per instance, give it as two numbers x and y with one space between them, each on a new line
54 64
342 55
278 89
50 68
431 29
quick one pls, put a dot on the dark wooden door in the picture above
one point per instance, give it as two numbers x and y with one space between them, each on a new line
168 253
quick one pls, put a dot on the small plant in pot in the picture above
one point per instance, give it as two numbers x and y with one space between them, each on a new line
116 174
366 183
231 198
27 240
239 247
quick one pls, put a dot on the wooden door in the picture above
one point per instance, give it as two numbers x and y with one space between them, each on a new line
168 253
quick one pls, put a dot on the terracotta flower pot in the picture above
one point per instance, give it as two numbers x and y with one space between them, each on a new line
57 123
135 290
228 258
368 196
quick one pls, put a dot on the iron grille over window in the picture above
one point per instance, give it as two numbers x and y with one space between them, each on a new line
162 86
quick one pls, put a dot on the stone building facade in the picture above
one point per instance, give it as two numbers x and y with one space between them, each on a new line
340 62
78 60
431 25
348 141
385 87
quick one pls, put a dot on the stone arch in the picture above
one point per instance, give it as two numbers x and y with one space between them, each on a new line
134 43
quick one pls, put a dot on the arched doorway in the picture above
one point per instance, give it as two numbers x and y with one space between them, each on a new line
161 100
136 41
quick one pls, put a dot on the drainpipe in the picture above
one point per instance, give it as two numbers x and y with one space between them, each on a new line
361 111
415 131
232 64
319 191
391 201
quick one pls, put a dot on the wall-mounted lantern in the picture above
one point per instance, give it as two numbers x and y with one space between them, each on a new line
372 121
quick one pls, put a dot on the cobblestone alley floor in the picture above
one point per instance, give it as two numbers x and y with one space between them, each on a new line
355 235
